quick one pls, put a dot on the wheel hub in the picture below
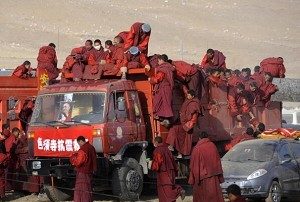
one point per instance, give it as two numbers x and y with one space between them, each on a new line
133 180
275 193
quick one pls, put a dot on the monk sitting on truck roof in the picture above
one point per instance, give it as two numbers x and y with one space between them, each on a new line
139 36
274 66
213 58
47 62
116 61
163 82
74 65
135 59
96 57
238 102
109 48
23 71
180 136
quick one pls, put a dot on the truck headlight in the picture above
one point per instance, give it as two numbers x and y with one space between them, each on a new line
256 174
36 165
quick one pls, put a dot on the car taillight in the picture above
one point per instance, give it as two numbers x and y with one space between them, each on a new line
97 132
30 134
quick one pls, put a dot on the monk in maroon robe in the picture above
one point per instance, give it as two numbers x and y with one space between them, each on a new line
268 88
256 94
213 58
163 87
248 135
189 75
258 76
116 60
232 80
239 102
47 61
206 172
180 136
4 158
109 46
139 36
135 59
164 165
92 70
23 71
85 162
274 66
246 78
25 114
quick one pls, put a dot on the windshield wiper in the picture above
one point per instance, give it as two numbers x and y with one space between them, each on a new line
49 122
39 122
255 160
75 121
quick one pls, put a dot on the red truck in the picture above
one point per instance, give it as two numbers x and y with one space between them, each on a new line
115 115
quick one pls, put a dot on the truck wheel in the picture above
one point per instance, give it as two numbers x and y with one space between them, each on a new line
55 194
127 180
274 192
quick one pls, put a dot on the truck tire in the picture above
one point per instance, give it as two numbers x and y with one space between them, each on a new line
274 192
55 194
127 180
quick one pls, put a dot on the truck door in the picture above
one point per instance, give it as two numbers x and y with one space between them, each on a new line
120 127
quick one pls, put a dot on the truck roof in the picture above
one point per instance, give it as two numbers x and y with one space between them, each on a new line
97 85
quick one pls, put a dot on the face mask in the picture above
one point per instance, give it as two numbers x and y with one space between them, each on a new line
105 49
97 47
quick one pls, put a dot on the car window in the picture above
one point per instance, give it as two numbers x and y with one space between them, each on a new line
295 147
284 152
250 152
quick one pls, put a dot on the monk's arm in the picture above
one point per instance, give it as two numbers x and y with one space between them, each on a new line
156 162
144 60
157 78
232 105
144 44
130 38
78 159
191 123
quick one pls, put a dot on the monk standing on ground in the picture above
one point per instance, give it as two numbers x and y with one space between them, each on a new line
213 58
47 62
164 164
206 172
163 82
85 162
23 71
180 136
139 36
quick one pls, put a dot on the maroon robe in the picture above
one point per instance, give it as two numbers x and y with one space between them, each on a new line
238 103
163 87
83 184
206 172
3 163
217 61
274 66
246 82
136 37
164 164
10 142
20 72
259 78
92 70
181 136
237 139
268 89
233 81
113 64
135 61
47 61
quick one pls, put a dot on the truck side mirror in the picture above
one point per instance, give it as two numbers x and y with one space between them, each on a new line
121 104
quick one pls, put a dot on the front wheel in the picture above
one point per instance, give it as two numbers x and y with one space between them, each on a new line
274 192
127 180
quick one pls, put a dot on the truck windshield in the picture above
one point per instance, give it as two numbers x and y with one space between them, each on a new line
69 108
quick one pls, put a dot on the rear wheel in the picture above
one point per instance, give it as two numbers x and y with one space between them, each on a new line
127 180
274 192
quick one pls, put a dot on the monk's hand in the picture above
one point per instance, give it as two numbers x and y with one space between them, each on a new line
149 165
147 67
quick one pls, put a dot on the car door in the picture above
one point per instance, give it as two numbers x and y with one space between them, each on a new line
289 169
295 148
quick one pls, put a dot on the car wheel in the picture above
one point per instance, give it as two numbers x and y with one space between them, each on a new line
274 192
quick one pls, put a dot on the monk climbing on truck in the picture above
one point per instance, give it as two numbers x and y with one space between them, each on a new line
163 82
23 71
246 78
213 58
47 63
180 135
135 59
268 88
274 66
139 36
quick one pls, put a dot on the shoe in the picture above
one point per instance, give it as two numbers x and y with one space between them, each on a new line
182 194
179 156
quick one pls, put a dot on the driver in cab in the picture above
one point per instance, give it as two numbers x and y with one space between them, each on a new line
65 114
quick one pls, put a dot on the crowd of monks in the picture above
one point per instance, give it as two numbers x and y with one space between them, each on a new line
128 50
